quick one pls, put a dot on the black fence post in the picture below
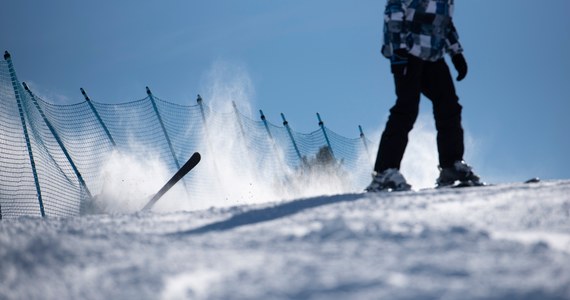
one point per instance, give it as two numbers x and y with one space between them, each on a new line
363 138
17 90
322 125
286 124
98 117
59 142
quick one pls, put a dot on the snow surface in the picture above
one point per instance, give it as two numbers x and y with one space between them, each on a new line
508 241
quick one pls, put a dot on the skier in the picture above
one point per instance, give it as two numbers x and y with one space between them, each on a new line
417 34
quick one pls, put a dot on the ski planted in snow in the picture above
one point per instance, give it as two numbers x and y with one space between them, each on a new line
189 165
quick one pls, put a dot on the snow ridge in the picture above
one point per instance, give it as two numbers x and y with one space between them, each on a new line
509 241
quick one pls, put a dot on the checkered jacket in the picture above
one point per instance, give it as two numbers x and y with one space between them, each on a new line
423 27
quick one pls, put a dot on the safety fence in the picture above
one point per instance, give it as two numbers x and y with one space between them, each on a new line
51 155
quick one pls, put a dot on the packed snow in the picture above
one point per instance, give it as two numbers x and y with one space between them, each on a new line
509 241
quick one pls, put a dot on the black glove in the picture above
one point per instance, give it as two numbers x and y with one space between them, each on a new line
399 62
460 65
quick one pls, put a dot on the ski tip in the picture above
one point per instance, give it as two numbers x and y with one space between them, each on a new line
195 158
533 180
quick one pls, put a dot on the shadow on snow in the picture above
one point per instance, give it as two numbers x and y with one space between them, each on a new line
271 213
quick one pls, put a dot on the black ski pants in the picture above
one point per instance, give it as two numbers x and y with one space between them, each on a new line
433 80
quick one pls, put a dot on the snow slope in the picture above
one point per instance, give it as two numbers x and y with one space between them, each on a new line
508 241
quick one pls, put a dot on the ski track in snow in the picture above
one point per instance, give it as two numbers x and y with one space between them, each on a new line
508 241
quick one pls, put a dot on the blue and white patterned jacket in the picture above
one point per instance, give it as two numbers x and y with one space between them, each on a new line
423 27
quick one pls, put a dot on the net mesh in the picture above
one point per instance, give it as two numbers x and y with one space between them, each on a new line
51 155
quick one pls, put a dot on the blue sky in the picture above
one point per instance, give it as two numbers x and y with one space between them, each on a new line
309 56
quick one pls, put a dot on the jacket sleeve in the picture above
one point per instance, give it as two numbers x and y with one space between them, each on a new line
394 29
452 41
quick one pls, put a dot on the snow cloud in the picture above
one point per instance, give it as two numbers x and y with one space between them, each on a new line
129 181
420 162
234 168
241 174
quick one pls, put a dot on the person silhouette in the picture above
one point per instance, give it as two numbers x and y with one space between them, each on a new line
417 35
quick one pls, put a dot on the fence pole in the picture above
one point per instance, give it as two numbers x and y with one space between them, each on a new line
60 143
151 97
238 120
208 141
98 117
199 100
278 154
271 140
205 121
266 126
166 136
286 124
322 125
364 141
16 87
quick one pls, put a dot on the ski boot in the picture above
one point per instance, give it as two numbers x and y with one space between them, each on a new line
388 180
459 175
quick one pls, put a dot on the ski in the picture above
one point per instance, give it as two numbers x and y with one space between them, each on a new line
189 165
533 180
456 185
462 184
469 183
